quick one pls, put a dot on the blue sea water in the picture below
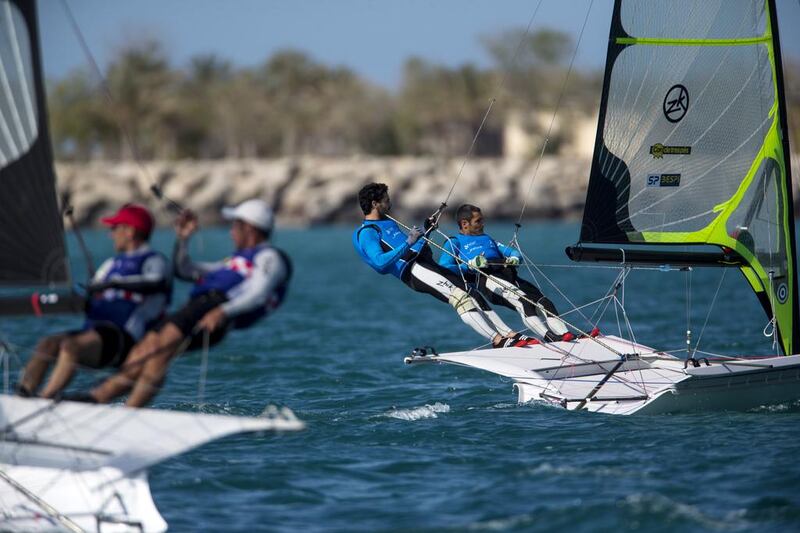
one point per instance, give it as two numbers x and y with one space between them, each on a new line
391 447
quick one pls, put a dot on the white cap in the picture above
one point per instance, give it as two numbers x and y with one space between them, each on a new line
255 212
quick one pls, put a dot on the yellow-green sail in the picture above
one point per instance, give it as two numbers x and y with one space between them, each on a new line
692 145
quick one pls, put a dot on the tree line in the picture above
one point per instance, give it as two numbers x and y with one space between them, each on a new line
294 105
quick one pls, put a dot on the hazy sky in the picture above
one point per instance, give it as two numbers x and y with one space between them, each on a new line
372 37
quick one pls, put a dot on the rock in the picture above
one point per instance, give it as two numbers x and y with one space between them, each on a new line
320 190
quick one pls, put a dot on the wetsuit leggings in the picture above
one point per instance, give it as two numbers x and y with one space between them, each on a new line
505 288
425 275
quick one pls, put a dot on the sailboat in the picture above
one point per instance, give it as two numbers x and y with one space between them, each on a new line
692 149
66 465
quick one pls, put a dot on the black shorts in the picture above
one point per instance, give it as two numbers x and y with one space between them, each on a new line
115 343
187 317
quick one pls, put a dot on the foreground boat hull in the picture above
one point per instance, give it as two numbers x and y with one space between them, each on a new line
590 375
100 500
77 466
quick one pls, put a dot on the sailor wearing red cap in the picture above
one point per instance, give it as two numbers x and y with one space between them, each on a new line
232 293
127 295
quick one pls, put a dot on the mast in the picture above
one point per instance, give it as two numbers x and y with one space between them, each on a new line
784 130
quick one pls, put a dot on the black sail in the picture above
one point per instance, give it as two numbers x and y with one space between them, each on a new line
32 248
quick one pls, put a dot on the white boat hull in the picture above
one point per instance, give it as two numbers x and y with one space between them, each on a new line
89 500
77 466
589 375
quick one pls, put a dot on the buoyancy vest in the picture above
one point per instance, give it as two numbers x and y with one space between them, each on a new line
119 305
234 271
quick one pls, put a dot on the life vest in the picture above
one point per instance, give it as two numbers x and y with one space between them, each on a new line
118 305
234 271
390 238
471 246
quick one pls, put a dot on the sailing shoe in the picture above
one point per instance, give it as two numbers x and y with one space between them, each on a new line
550 337
22 391
566 337
517 341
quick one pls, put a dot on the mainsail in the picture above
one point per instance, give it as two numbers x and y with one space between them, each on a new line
692 146
32 249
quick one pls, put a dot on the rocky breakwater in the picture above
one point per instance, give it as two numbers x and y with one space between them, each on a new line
313 190
309 191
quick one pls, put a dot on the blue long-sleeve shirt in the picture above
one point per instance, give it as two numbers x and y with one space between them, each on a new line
383 246
465 247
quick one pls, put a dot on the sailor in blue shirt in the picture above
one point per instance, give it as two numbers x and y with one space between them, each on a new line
383 246
233 293
472 250
127 296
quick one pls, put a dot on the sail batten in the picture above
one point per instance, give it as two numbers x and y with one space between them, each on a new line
691 145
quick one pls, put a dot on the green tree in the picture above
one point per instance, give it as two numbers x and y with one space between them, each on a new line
439 109
143 100
78 123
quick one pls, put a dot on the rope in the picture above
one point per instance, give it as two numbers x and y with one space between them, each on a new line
708 315
201 386
48 509
553 118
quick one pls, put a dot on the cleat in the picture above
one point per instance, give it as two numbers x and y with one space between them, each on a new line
566 337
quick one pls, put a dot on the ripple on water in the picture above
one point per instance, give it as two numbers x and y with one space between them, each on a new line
419 413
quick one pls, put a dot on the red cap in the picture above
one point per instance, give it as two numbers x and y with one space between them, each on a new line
134 215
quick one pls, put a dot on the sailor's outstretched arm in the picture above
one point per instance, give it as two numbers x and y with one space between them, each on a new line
508 251
185 268
381 261
153 279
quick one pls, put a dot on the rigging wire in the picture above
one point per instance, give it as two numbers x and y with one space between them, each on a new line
492 101
688 282
201 386
708 315
48 509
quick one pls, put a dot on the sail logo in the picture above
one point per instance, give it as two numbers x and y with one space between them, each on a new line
658 151
676 103
663 180
782 293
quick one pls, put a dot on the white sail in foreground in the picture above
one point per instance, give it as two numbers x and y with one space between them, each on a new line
68 463
589 374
